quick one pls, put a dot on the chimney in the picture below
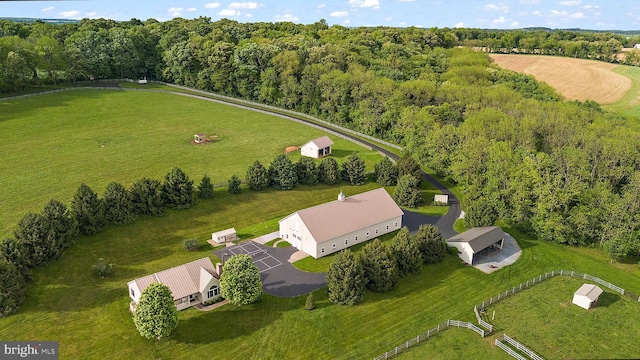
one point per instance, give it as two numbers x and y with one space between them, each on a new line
219 269
341 196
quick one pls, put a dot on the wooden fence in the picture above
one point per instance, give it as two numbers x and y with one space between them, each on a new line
518 346
425 336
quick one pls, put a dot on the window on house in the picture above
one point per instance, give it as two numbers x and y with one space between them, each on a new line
377 231
387 227
396 224
367 234
133 293
334 246
213 291
346 241
322 250
356 237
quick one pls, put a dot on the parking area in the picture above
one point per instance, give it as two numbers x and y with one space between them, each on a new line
260 255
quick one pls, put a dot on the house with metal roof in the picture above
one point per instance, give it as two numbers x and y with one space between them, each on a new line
317 148
327 228
587 296
192 283
477 241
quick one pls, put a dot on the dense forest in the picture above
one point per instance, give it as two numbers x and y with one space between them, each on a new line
566 172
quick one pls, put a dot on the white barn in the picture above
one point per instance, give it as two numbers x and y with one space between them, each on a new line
192 283
587 296
317 148
473 241
325 229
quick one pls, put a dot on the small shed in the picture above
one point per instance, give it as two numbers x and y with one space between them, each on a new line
441 199
636 46
587 296
199 138
224 236
317 148
142 81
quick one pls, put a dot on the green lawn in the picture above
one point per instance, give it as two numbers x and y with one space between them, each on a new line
630 102
52 143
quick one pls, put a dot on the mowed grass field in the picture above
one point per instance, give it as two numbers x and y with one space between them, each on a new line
53 143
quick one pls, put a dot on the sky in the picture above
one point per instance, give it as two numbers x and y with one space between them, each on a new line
491 14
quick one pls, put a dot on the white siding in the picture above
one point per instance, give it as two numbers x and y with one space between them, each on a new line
293 230
310 150
360 234
136 292
464 251
204 294
582 301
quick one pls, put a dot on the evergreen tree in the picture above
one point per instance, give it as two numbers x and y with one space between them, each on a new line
16 253
32 236
386 172
205 189
177 190
282 173
309 304
13 287
431 244
406 253
345 279
146 195
63 228
407 192
354 170
233 186
408 165
118 204
307 171
379 266
156 314
240 280
329 171
88 210
257 177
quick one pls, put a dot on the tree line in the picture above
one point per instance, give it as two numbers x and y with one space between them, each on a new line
562 171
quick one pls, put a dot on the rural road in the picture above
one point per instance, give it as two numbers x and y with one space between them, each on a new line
444 223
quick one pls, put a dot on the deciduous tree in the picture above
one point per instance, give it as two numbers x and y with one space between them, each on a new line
240 280
156 314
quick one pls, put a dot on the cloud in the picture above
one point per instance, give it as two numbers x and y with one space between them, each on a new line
69 14
569 2
321 6
228 12
212 5
529 2
515 24
91 14
459 25
559 13
248 15
577 15
365 3
388 18
48 8
286 17
500 20
497 7
406 0
175 11
589 7
536 13
347 21
192 9
339 14
243 5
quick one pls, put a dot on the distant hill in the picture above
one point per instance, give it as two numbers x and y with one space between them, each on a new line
32 20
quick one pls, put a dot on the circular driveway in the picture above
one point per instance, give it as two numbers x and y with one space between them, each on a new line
279 277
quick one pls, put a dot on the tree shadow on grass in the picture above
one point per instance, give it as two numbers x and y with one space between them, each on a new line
607 299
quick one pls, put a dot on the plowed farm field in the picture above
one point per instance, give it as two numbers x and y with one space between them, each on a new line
575 79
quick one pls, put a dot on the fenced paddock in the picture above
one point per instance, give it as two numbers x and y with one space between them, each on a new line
427 335
518 346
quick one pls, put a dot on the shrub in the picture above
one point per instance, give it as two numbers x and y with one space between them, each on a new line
103 268
233 186
309 303
191 245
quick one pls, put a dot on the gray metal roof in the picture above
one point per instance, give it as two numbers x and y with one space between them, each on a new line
479 238
321 142
591 291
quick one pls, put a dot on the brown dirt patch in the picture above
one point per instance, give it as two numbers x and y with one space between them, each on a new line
575 79
290 149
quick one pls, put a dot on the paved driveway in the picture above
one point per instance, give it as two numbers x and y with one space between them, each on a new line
279 277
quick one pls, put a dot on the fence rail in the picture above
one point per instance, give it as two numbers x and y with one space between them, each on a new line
509 350
425 336
521 348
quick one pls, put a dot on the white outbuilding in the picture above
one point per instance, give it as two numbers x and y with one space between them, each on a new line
587 296
317 148
325 229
